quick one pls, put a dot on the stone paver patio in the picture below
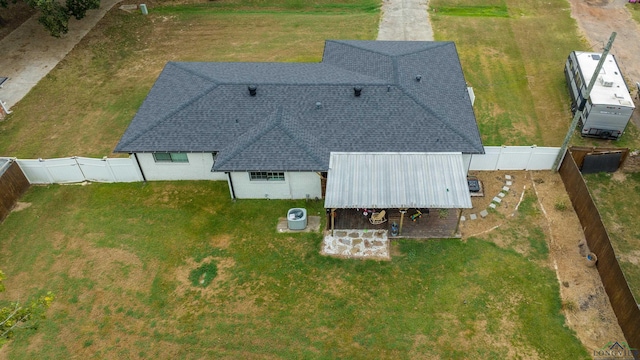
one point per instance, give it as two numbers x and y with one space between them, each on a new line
372 244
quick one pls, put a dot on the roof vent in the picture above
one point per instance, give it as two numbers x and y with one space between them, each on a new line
418 77
357 91
605 81
252 90
318 105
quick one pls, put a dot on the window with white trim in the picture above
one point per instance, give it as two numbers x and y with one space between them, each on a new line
266 176
171 157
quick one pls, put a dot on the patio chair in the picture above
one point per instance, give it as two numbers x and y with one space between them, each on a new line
378 217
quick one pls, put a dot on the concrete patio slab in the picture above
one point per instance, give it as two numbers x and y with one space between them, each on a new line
313 225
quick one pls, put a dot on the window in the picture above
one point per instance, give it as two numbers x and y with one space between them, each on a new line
266 176
171 157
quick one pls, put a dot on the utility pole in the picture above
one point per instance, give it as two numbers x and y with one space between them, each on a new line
578 114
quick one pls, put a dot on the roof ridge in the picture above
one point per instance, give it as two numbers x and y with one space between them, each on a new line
303 141
248 137
426 107
436 116
275 121
191 71
171 113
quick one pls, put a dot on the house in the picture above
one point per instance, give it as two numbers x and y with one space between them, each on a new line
281 130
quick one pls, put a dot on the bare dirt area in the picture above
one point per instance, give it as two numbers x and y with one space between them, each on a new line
585 304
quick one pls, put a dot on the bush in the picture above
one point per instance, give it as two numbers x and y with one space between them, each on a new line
560 205
203 275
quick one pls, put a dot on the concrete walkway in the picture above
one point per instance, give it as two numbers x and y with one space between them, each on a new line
29 52
405 20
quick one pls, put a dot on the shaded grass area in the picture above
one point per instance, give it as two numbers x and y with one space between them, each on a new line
630 139
514 65
618 200
85 104
116 256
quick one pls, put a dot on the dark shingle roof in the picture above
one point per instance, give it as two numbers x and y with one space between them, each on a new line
302 112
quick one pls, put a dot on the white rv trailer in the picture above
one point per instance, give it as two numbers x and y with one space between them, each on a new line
606 113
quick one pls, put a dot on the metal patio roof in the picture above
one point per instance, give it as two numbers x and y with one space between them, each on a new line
397 180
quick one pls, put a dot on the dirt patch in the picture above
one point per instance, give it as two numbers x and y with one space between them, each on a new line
632 163
222 295
221 241
585 304
19 206
492 184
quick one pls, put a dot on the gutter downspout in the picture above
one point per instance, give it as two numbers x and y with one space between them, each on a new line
135 156
233 192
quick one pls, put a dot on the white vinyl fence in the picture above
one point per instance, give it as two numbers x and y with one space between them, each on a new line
515 158
79 169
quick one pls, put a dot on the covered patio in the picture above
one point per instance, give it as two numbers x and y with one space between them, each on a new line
420 193
432 224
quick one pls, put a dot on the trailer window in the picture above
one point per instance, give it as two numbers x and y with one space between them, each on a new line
578 80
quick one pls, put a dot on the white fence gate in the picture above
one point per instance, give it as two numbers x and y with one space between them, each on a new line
79 169
515 158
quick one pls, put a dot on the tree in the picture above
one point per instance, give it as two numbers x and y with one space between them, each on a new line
17 315
54 16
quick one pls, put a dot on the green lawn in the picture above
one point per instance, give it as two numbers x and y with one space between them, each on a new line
521 97
118 258
513 53
618 200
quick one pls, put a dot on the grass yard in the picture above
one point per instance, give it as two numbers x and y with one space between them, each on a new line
126 260
618 198
119 258
513 53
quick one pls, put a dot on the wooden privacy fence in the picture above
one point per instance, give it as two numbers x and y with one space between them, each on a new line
581 155
13 184
622 301
79 169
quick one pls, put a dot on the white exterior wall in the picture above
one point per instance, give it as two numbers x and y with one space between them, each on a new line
198 168
296 185
466 161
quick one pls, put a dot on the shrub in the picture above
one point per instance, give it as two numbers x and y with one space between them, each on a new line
204 274
560 205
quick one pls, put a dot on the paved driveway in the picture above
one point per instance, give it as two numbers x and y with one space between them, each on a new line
405 20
